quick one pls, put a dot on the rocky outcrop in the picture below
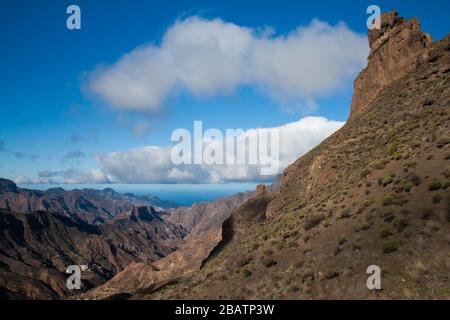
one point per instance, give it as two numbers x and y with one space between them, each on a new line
395 49
36 249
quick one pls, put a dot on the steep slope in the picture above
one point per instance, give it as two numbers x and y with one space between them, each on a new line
36 249
93 206
374 193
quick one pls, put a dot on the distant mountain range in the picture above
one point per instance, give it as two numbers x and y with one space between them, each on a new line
90 205
44 232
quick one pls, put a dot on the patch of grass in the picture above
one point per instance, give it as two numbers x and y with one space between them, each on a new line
393 199
434 185
246 273
346 213
393 148
407 186
442 142
243 262
385 233
313 220
386 180
364 173
390 246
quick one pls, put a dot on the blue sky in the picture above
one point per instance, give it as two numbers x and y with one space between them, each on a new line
51 122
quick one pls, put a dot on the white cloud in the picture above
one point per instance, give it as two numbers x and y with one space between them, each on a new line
70 176
209 57
152 164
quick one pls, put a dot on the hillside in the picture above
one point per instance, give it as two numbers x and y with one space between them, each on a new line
375 192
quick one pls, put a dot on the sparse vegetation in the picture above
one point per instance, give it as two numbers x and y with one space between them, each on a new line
390 246
385 233
246 273
313 220
386 180
393 199
435 185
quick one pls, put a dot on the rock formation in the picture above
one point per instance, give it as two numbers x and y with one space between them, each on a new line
395 50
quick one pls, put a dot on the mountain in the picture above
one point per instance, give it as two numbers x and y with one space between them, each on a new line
37 248
93 206
103 229
373 193
204 223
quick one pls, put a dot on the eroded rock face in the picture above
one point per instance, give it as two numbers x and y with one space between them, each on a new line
395 49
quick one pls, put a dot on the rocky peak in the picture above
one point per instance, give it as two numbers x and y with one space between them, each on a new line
395 50
7 186
144 213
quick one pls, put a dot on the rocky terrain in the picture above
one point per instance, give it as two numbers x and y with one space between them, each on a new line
373 193
104 230
36 249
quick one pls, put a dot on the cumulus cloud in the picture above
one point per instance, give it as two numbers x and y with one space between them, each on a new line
209 57
153 164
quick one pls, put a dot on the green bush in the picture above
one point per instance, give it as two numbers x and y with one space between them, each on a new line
313 220
407 186
364 173
393 199
246 273
386 180
393 148
435 185
390 246
442 142
384 233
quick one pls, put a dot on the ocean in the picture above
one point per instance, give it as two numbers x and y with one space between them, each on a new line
183 194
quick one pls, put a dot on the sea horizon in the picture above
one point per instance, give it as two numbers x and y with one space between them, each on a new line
182 194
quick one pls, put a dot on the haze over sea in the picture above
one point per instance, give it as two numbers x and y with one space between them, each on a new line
183 194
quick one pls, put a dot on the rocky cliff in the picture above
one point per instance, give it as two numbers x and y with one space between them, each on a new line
395 51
